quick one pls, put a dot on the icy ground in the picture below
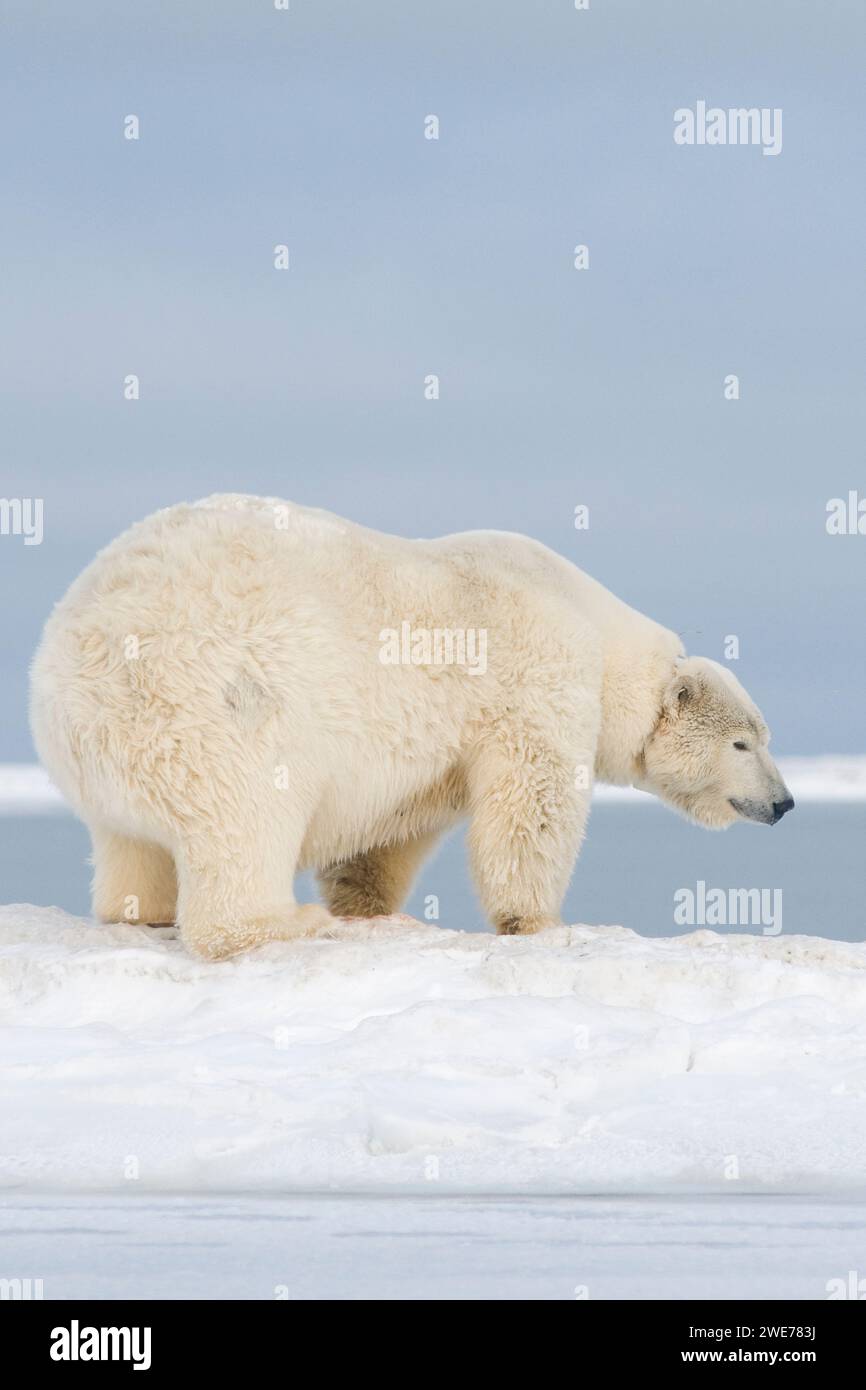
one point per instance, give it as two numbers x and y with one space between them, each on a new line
331 1247
407 1058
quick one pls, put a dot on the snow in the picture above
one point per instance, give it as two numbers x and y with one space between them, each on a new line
396 1057
25 788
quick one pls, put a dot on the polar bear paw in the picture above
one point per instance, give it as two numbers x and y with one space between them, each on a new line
393 919
219 941
525 926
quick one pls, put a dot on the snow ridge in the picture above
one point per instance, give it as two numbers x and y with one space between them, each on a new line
396 1056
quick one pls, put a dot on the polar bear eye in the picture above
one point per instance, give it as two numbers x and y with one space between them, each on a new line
740 746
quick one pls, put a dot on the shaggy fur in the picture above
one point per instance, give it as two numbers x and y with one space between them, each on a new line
210 696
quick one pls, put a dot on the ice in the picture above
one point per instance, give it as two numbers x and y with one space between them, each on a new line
406 1248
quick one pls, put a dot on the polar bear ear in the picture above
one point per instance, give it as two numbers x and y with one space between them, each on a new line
683 690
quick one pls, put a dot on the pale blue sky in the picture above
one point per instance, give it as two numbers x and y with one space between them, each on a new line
455 257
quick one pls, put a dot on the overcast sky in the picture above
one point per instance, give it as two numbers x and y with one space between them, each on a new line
454 256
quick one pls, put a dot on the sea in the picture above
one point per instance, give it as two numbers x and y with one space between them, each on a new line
641 867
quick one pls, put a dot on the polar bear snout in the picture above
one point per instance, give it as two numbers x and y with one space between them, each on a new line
770 805
766 812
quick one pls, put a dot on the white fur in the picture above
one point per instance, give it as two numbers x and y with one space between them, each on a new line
210 696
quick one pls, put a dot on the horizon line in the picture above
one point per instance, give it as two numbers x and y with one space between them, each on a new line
27 789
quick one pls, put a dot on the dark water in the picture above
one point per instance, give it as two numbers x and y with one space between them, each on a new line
634 860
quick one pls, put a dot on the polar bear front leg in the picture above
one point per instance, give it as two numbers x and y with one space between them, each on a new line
133 880
528 817
374 884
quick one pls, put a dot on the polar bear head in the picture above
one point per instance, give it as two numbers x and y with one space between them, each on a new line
707 756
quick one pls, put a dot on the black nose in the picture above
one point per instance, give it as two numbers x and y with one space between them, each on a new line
780 807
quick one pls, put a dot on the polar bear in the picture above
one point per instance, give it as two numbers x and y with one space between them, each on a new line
240 688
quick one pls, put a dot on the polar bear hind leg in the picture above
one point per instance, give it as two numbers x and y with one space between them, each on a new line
236 887
133 880
237 839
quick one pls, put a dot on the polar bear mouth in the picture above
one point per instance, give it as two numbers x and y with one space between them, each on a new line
766 812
